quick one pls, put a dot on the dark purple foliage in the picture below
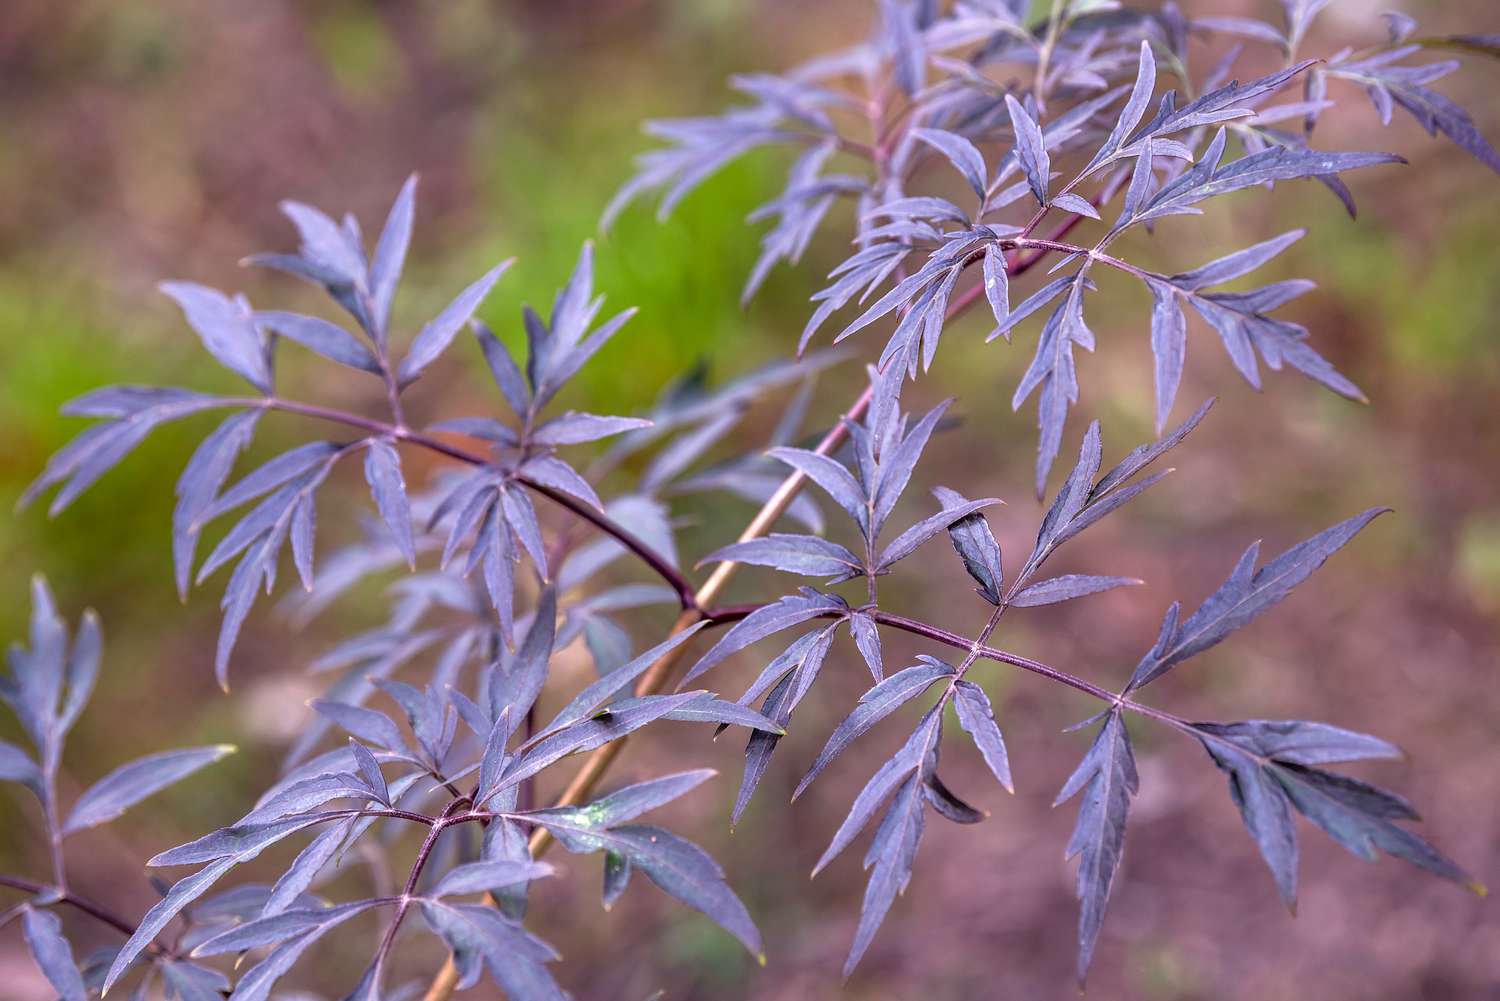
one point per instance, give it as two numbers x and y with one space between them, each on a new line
1061 122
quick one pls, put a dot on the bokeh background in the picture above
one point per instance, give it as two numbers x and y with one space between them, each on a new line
140 141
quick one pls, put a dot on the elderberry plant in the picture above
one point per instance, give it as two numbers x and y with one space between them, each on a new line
433 776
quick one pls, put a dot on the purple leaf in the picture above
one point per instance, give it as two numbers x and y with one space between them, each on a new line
1134 109
874 706
830 475
978 721
201 480
1066 588
327 339
1031 149
765 621
435 337
907 542
800 554
575 428
227 329
1168 346
1247 593
368 725
482 877
503 369
390 255
976 546
388 487
1107 778
129 784
867 638
616 681
628 803
997 283
52 953
183 892
960 152
293 883
550 471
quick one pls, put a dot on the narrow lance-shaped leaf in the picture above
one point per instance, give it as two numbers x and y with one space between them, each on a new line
978 720
897 466
327 339
15 766
769 619
687 872
183 892
368 725
1237 264
242 841
830 475
575 428
388 487
1107 778
890 858
630 802
369 770
1031 149
678 866
258 982
503 369
80 671
129 784
1068 587
1246 594
522 678
1271 771
293 883
623 717
276 928
482 877
435 337
867 638
226 329
1266 811
907 542
201 480
976 546
888 779
1168 346
808 555
960 152
1135 106
709 708
1143 455
762 744
616 681
52 953
479 937
390 255
997 283
1359 817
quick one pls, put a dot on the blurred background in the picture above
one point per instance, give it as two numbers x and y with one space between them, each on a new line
146 141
